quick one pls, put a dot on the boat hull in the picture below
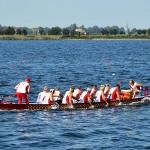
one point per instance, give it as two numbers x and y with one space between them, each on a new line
33 106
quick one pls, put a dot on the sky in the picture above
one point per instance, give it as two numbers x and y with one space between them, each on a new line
63 13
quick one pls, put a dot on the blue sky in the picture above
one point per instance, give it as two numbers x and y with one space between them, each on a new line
63 13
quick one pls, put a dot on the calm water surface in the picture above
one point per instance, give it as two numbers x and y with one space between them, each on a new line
65 63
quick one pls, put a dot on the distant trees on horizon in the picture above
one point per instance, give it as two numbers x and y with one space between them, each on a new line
95 30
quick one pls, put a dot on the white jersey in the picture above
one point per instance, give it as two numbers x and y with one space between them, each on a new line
82 97
40 97
93 94
76 91
46 98
22 88
56 98
98 96
110 92
64 98
134 87
76 94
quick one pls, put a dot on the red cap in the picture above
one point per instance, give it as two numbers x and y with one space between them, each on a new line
27 79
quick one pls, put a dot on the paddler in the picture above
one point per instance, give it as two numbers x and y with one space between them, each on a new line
57 97
42 95
114 93
93 92
100 95
135 88
86 97
48 98
67 99
107 89
76 94
134 91
22 89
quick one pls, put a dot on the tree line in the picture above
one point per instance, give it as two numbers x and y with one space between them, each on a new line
95 30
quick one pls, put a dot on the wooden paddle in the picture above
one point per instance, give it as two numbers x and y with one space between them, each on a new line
10 96
3 99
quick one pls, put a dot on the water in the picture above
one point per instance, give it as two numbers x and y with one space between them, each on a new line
74 62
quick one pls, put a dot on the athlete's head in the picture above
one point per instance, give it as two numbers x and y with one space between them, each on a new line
71 88
27 79
117 85
88 89
45 89
131 82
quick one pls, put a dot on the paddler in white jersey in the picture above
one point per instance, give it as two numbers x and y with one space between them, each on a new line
22 89
48 98
42 95
135 88
93 92
67 99
57 97
76 94
100 95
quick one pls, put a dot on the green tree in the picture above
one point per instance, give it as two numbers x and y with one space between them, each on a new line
148 31
10 31
104 31
93 30
114 30
55 31
18 31
121 30
134 31
144 31
24 32
41 30
72 29
139 31
2 31
65 31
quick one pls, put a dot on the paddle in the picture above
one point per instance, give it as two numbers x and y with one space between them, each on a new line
3 99
10 96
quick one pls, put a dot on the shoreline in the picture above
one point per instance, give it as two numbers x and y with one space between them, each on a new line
82 37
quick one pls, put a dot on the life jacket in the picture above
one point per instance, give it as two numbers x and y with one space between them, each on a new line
40 97
23 87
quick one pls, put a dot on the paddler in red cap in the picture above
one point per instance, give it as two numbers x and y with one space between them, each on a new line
22 89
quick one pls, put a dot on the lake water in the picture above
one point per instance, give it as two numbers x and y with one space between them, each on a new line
74 62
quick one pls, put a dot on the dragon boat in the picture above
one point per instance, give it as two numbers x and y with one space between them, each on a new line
33 106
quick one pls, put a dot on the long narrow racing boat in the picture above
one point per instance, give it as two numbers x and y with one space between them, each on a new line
33 106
